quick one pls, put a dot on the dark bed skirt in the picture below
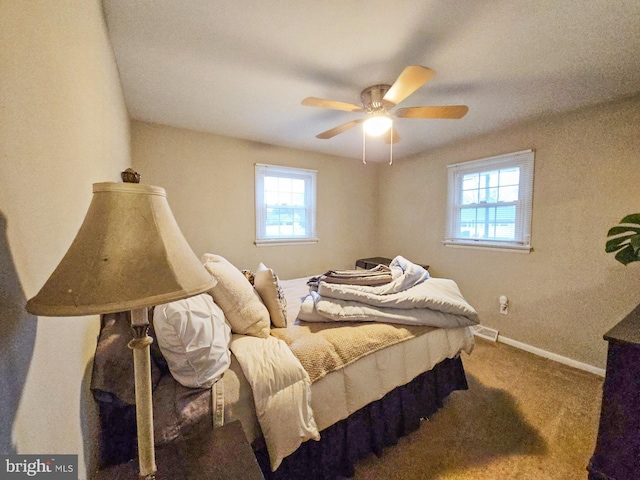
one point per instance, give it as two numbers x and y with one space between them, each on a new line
370 429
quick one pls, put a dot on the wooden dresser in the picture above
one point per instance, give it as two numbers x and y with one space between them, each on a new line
617 454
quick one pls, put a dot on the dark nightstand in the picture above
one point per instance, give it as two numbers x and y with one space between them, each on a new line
221 454
368 263
617 453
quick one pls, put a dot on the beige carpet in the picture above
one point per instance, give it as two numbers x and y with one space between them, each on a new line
523 417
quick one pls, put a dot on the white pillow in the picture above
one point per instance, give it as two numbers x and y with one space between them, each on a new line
240 303
266 284
194 338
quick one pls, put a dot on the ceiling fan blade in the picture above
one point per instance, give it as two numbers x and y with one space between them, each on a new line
451 111
387 136
411 78
339 129
332 104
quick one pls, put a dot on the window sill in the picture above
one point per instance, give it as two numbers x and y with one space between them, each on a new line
489 246
285 241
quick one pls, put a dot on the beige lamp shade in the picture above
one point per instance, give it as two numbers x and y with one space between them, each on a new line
128 254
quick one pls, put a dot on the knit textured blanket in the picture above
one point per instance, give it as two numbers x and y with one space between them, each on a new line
323 348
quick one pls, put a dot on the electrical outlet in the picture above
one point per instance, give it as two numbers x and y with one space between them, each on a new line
504 305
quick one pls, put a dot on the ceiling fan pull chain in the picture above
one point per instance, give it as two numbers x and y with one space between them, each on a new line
391 148
364 143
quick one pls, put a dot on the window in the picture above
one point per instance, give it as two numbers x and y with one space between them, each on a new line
490 202
285 205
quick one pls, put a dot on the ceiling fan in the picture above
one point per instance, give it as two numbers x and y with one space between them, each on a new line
378 100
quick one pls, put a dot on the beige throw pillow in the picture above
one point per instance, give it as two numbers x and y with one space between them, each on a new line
266 283
240 303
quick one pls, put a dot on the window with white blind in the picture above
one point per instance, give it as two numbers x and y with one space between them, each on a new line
285 205
490 201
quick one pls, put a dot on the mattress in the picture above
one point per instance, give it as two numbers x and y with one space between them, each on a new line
342 392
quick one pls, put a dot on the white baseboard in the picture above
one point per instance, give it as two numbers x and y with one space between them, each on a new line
552 356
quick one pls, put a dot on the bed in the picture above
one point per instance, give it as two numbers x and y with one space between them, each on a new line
359 406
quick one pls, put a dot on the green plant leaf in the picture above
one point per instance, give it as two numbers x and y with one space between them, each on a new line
633 218
627 255
625 239
635 244
617 243
618 230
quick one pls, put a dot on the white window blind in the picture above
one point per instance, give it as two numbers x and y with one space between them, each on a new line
285 204
490 202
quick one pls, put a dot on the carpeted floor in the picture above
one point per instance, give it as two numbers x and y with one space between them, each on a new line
523 417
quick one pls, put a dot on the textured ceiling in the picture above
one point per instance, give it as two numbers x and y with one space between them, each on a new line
240 68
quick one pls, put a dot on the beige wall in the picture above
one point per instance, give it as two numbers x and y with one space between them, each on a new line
563 296
210 186
63 126
568 291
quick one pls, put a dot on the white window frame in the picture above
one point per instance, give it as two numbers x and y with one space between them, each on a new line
309 177
522 238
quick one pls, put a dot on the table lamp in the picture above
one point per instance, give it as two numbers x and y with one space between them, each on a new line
129 254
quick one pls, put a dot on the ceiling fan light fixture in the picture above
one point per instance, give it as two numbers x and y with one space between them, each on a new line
377 125
378 100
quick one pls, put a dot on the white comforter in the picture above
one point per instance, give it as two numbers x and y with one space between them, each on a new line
281 392
318 309
412 298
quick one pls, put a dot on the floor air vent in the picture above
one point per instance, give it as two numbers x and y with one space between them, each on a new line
486 333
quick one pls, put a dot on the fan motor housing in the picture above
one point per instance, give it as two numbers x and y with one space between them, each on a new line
372 98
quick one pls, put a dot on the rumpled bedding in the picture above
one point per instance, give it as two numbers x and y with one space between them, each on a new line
412 298
281 392
280 383
378 275
323 348
287 414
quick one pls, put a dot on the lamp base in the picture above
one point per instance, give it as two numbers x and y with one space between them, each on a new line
144 405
